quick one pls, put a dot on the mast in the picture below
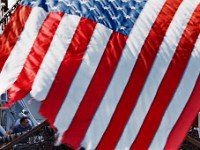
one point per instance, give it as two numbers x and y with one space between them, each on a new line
4 9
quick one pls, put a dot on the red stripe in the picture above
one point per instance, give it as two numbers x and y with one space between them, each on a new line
183 124
138 76
97 88
67 70
12 32
24 82
169 83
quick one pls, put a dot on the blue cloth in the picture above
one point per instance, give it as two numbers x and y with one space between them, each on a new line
118 15
1 135
19 128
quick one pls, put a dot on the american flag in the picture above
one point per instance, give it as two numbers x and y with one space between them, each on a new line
111 74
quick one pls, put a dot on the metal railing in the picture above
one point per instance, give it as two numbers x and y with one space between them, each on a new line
6 13
42 137
192 141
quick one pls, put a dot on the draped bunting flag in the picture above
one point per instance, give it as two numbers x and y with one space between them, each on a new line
111 74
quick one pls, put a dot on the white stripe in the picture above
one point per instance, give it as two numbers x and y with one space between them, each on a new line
83 77
17 58
54 56
134 44
157 73
179 100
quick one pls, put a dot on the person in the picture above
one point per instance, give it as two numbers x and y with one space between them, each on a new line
23 113
22 127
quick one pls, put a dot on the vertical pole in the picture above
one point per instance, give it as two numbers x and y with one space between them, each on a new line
0 112
4 8
5 2
199 124
1 13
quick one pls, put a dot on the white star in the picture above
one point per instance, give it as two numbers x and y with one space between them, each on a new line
122 28
101 17
106 8
125 1
33 3
77 11
133 8
92 8
119 8
47 3
84 2
138 1
69 5
127 16
54 8
114 18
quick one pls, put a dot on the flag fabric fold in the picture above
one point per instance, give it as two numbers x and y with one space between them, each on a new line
111 74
